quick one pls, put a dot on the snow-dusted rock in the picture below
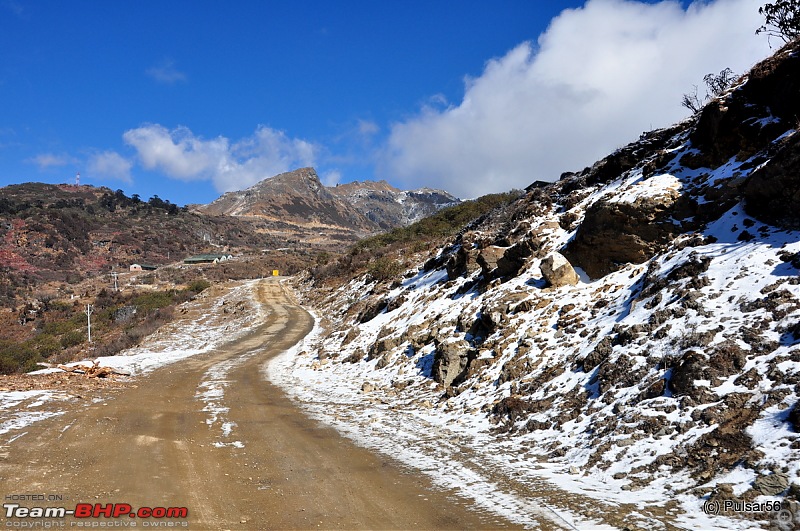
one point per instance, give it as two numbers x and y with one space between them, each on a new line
557 271
772 484
450 361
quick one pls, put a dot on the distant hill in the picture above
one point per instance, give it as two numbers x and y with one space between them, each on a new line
296 203
391 207
64 233
298 199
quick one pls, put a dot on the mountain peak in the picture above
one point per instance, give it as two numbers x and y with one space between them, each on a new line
360 207
299 179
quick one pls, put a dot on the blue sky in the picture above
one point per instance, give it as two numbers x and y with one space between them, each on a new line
186 100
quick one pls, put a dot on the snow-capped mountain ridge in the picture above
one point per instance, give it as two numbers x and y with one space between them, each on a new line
298 197
390 207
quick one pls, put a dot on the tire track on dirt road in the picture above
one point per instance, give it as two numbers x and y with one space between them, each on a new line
157 444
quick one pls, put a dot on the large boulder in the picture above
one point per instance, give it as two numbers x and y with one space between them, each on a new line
488 258
621 230
372 310
693 366
488 320
463 262
515 257
451 361
499 262
772 484
557 271
794 417
382 346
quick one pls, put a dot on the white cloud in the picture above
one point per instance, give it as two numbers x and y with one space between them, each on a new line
331 178
178 153
110 165
50 160
230 166
599 76
166 73
368 128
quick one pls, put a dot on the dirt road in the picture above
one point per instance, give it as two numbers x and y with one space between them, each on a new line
211 435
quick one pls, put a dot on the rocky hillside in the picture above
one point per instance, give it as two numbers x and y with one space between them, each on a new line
64 233
295 198
390 207
297 201
630 332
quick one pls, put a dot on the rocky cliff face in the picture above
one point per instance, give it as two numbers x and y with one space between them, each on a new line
294 198
391 207
668 374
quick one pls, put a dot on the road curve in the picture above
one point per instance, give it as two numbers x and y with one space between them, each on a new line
209 434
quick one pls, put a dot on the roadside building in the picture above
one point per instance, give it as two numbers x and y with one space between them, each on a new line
207 258
143 267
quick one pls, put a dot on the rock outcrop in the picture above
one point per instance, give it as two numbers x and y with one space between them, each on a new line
771 484
772 193
557 271
515 258
686 340
488 259
616 232
764 106
451 360
463 262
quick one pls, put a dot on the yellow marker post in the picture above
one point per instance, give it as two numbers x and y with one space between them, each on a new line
274 272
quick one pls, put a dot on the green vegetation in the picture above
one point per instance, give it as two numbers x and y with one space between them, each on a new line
445 223
377 255
384 268
17 357
199 285
72 338
147 302
119 321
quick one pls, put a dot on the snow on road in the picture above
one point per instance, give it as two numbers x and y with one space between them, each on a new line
422 439
455 450
218 315
459 454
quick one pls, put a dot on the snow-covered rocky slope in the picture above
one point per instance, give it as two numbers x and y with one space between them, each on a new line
657 371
